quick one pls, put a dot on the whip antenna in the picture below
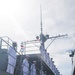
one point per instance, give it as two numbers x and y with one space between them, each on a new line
41 19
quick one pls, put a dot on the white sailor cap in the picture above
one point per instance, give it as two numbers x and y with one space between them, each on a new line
34 61
27 56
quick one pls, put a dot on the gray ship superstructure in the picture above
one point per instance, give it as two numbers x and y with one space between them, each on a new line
45 65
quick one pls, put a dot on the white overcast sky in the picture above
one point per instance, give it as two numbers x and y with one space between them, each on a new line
20 20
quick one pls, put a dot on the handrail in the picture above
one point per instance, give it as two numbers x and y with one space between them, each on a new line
4 41
7 37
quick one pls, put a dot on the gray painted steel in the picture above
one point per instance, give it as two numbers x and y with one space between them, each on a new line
4 73
3 59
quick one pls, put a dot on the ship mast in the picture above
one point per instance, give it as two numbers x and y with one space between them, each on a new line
44 38
41 19
41 35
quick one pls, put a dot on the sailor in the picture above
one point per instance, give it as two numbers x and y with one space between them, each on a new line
48 58
49 62
33 68
12 58
25 65
52 63
45 73
46 55
42 49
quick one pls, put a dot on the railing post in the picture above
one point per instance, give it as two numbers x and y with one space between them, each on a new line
0 43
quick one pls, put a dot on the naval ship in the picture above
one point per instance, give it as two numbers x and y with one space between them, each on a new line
36 51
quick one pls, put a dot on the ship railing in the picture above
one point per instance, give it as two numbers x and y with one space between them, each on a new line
5 42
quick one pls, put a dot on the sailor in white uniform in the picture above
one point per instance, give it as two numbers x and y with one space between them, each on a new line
46 55
45 73
11 58
48 58
25 65
33 68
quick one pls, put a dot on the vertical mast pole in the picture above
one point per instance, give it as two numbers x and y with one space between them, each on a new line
41 19
41 36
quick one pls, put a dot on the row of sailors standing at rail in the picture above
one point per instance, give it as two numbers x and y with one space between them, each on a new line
47 58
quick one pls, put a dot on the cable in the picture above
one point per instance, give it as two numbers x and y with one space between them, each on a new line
50 43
